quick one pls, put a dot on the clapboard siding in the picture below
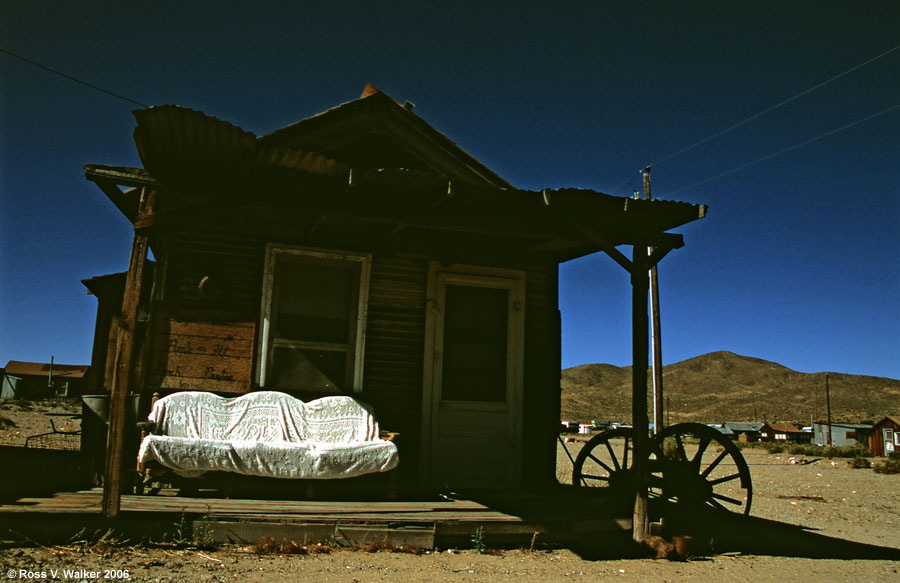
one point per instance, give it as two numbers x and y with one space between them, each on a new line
542 376
233 265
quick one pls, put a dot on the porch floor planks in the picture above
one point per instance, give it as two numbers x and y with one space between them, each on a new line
451 520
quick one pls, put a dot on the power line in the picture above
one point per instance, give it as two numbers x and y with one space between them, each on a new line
71 78
794 147
776 106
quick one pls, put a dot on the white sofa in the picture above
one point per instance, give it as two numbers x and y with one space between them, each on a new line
266 434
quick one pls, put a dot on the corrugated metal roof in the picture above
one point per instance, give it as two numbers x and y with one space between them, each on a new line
743 426
784 427
198 159
175 142
24 369
376 110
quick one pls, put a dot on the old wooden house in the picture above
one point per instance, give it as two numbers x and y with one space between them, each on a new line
360 251
884 439
783 433
37 380
840 434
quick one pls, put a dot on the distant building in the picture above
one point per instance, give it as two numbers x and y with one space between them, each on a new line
842 434
783 433
36 380
745 432
885 437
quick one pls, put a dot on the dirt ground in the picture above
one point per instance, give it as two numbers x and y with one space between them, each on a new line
826 496
22 419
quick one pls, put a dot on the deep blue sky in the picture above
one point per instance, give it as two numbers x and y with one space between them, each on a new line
797 261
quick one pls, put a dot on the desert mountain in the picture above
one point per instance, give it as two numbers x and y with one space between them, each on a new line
723 386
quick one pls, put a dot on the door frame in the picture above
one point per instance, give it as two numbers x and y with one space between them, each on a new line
440 274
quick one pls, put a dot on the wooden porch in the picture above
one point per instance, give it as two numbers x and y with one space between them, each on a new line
559 519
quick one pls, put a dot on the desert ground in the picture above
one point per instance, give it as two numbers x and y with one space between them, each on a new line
825 496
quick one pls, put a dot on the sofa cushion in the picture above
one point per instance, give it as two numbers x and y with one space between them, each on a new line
266 434
263 416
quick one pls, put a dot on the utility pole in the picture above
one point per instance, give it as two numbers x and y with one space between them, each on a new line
640 348
828 407
656 344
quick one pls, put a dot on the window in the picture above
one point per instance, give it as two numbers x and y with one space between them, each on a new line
781 436
476 333
313 323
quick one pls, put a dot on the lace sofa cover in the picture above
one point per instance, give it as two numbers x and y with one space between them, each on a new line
267 434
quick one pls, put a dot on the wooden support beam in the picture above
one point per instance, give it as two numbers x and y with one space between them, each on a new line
605 245
124 361
640 348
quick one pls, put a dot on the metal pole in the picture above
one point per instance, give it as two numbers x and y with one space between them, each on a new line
656 345
828 407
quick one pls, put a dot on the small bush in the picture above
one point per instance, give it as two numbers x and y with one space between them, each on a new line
860 463
670 449
809 450
890 466
894 455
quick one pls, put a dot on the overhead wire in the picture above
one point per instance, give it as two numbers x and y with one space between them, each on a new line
776 106
760 114
788 149
71 78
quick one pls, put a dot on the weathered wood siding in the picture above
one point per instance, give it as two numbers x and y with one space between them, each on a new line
395 337
202 350
208 342
541 401
234 266
205 341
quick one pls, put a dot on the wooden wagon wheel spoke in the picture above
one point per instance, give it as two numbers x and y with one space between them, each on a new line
724 498
606 463
593 477
715 463
724 479
717 505
688 479
697 460
682 455
612 455
602 464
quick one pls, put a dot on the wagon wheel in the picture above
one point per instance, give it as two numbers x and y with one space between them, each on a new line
715 475
607 461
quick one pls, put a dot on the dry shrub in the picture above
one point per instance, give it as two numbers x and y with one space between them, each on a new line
384 545
269 546
890 466
6 422
860 463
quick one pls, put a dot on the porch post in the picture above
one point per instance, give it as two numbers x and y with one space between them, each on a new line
640 349
121 376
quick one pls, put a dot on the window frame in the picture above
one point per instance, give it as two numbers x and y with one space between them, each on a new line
266 342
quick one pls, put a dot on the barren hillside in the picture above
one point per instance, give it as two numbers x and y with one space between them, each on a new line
723 386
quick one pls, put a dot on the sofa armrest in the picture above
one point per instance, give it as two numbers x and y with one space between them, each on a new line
146 427
389 436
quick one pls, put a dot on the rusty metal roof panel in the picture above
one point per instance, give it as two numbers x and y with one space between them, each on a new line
22 369
289 159
169 136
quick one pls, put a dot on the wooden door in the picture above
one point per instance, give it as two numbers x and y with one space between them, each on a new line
474 379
